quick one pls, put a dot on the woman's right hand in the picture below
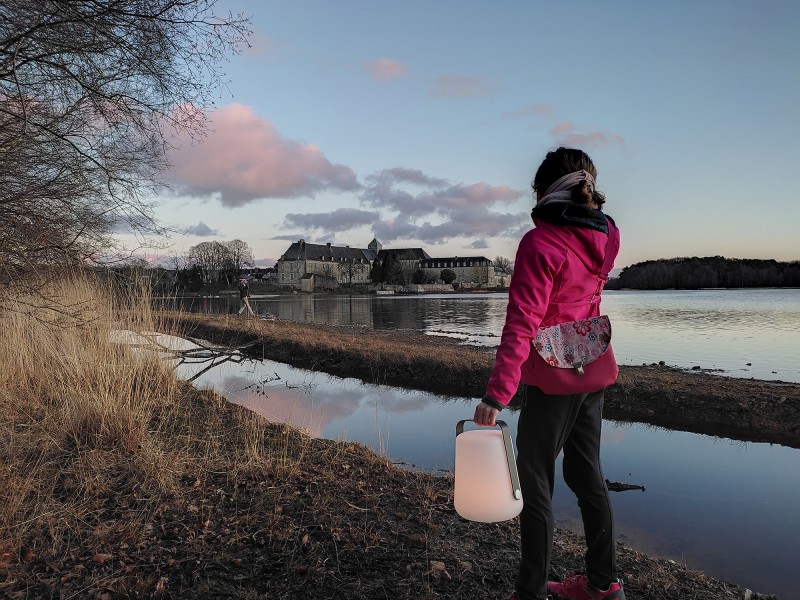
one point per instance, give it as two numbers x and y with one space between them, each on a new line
485 415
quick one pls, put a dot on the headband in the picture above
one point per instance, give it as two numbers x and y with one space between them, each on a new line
564 183
569 180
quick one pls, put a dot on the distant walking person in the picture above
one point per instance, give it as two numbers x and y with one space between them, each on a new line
244 296
559 273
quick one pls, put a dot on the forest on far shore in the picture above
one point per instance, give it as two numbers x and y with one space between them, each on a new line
710 272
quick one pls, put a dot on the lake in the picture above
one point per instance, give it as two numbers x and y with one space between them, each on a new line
738 333
728 508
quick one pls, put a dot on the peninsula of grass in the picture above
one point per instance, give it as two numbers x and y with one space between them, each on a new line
119 481
656 394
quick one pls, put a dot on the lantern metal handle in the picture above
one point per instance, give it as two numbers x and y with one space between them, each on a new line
512 463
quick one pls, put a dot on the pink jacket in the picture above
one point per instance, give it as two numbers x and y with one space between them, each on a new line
555 277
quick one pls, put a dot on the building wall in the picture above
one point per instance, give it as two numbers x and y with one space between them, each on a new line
474 271
478 274
290 272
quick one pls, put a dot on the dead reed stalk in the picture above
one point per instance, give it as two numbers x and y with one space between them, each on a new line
83 417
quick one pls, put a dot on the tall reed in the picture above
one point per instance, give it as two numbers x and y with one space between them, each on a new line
83 416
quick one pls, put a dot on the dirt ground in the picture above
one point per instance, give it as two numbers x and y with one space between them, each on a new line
337 521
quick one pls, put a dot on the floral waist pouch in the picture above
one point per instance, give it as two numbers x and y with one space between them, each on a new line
574 344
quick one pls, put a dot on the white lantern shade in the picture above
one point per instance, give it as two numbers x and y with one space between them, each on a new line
483 482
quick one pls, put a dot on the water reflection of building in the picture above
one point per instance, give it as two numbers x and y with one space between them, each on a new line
330 310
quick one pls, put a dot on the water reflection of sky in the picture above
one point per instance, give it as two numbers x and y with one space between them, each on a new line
728 508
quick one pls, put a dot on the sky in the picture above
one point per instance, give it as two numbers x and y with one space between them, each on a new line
422 124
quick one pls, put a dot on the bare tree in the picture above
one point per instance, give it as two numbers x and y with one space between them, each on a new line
350 270
211 258
504 264
241 255
176 261
408 268
91 93
328 276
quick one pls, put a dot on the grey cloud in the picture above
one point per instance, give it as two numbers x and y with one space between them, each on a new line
383 196
465 208
477 223
437 195
411 205
403 175
342 219
200 230
292 237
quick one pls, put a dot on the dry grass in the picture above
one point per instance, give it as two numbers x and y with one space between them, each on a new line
82 417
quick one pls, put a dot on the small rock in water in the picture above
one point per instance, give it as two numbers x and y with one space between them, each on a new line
695 368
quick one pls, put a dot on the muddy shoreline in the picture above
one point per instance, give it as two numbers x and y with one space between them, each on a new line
216 502
742 409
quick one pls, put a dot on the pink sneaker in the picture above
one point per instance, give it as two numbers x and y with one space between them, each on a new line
577 587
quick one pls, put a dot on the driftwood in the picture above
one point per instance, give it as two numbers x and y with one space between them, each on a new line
202 353
213 355
616 486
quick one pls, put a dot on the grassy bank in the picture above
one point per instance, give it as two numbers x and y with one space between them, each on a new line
117 481
742 409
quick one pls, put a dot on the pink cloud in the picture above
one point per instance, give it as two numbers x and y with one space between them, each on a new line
477 194
244 158
566 135
562 128
454 87
386 68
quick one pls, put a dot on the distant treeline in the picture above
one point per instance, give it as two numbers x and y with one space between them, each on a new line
711 272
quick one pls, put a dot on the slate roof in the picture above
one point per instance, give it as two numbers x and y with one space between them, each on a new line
405 253
302 251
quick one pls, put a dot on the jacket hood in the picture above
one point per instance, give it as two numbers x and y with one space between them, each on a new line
564 213
575 225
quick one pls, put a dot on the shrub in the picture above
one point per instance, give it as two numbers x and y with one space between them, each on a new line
420 276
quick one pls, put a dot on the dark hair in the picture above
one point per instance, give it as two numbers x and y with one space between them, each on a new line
562 162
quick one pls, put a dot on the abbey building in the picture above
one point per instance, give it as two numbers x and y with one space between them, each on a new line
307 267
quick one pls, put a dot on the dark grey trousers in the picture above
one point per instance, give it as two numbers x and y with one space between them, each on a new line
547 425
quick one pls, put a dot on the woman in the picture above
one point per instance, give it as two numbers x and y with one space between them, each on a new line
559 273
244 297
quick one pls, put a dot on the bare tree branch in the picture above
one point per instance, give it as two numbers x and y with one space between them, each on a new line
92 93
